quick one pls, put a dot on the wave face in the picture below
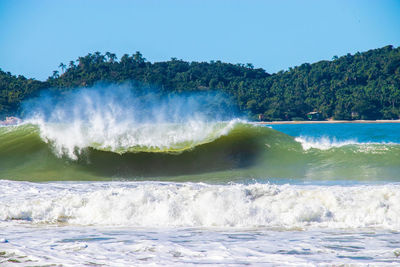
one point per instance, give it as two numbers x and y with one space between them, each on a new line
155 204
193 151
51 152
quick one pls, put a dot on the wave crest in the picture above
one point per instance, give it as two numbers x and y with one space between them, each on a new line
326 143
121 137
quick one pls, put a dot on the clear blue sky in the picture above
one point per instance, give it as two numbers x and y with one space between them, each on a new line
35 35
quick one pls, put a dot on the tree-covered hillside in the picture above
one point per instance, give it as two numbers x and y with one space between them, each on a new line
15 89
361 86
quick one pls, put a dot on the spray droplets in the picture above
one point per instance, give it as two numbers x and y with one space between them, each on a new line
124 118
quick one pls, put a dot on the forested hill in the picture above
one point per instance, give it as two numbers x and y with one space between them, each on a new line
360 86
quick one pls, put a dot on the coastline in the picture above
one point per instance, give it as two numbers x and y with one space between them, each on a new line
326 122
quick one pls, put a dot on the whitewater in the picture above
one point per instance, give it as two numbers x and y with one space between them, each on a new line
91 180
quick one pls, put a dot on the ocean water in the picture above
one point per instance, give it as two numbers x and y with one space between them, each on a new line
198 192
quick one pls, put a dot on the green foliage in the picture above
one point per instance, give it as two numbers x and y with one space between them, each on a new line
361 86
14 89
297 119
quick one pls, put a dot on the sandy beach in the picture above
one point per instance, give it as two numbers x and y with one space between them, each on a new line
325 122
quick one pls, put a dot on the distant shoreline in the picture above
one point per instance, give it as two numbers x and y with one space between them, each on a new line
326 122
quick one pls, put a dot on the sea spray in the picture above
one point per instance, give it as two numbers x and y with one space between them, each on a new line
124 118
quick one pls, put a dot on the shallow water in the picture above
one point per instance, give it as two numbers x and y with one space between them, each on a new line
91 245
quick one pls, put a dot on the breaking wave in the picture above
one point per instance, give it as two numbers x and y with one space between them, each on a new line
191 151
155 204
51 151
326 143
72 139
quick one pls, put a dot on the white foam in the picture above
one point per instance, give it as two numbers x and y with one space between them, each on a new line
120 136
148 204
323 143
78 246
326 143
173 224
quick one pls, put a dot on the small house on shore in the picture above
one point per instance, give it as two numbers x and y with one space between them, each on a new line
312 116
354 115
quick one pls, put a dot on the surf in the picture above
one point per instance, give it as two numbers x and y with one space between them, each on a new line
158 204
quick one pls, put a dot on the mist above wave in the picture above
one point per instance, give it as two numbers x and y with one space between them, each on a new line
125 118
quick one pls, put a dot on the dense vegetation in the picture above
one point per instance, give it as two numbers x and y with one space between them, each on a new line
361 86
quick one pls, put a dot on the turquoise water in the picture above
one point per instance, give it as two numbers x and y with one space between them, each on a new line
360 132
